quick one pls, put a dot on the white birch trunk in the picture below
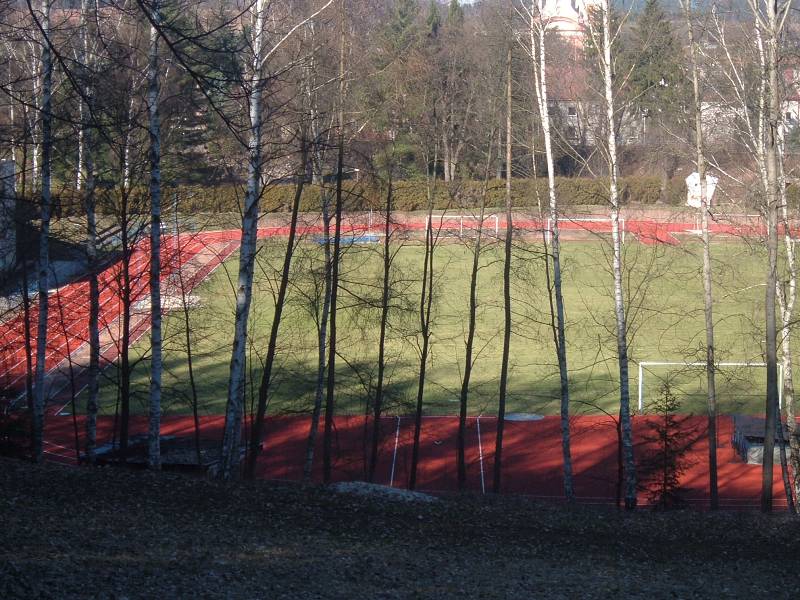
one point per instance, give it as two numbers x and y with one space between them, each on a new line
787 297
79 179
708 296
540 80
619 295
234 412
154 129
44 234
91 239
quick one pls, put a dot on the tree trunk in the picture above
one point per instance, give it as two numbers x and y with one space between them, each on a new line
125 337
280 302
387 265
330 391
154 129
187 326
322 335
558 324
773 196
708 295
234 412
470 341
44 234
501 409
425 307
619 297
87 138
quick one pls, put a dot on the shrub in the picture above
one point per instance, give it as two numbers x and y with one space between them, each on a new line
408 195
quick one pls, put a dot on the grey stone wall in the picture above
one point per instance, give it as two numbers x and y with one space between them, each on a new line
8 232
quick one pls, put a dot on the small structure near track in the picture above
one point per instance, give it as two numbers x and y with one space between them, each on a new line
178 453
748 439
8 229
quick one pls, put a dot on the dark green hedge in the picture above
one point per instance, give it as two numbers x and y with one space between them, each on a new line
407 196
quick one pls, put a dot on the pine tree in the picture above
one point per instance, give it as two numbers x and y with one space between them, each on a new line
455 14
657 81
434 20
667 461
401 32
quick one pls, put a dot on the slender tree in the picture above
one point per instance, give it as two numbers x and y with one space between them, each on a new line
602 41
377 408
154 130
469 342
280 301
330 402
507 320
538 46
88 11
708 294
42 17
425 308
771 18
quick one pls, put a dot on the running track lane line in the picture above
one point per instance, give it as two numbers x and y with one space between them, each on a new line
394 455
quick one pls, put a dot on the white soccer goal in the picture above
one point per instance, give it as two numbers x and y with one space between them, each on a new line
465 224
595 225
646 367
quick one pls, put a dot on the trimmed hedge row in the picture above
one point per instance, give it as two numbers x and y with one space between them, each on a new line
407 195
412 195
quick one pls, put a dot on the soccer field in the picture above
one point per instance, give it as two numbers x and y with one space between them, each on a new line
665 310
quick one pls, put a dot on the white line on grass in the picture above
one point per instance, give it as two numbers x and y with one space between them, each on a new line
394 456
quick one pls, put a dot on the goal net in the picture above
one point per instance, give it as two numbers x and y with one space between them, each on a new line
740 386
584 227
465 225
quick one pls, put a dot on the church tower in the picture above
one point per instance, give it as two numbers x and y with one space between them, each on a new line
567 17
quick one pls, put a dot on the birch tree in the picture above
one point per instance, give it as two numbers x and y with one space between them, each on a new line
708 295
154 130
244 289
257 78
771 18
602 42
42 18
538 51
86 168
330 386
280 301
507 318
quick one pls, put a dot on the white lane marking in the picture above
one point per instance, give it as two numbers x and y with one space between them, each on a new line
480 456
394 456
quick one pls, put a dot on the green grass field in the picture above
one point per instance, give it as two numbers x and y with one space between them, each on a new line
664 298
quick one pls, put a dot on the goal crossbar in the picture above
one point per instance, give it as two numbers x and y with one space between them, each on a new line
644 364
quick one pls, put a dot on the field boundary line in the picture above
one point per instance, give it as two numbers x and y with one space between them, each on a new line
480 455
394 454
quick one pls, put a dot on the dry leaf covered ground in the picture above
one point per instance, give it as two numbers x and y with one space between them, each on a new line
83 533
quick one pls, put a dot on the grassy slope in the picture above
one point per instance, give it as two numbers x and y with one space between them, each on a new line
666 323
146 535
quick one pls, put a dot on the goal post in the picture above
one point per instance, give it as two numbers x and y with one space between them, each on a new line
649 366
464 223
596 225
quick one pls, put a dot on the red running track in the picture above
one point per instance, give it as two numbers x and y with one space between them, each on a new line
68 317
532 454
